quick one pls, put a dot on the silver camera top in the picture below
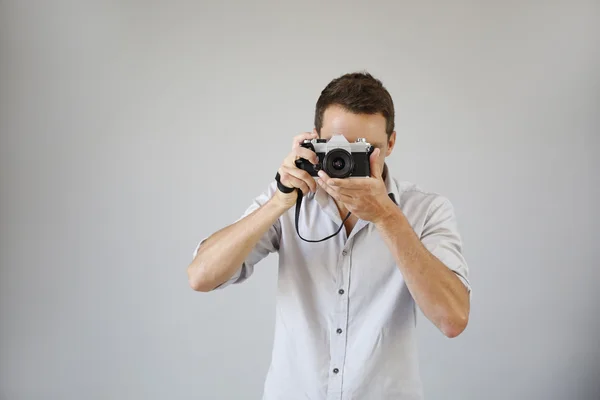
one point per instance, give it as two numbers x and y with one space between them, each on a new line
340 142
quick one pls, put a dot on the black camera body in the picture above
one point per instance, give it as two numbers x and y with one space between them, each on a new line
338 157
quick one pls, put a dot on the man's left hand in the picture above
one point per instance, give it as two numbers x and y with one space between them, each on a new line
367 198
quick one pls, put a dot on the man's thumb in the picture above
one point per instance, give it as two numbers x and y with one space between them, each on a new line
375 168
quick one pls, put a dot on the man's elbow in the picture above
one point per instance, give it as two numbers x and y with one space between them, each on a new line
453 326
198 279
199 286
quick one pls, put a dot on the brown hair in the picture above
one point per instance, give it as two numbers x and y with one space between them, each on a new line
359 93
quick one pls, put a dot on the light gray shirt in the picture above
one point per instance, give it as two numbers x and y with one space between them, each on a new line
345 320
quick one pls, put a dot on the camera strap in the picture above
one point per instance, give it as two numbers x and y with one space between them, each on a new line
286 189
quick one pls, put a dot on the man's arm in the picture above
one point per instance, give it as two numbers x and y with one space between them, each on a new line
222 254
430 264
437 290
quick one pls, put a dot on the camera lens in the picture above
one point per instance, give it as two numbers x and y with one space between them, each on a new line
338 163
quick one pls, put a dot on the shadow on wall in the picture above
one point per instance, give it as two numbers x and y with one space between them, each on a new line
587 385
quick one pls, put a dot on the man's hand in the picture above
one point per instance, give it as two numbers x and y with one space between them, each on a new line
367 198
294 177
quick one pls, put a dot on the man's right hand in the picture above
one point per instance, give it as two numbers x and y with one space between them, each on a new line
292 176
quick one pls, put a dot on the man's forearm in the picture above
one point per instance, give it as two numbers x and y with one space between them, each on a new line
437 290
223 253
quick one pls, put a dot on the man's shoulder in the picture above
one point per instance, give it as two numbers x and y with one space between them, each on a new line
410 190
414 198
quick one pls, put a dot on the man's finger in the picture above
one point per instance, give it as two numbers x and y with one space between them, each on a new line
301 138
375 167
349 183
300 152
289 180
337 193
307 154
302 175
346 183
330 187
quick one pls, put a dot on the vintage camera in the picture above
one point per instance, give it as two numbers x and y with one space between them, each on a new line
338 157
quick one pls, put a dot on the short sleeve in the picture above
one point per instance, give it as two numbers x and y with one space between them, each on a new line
268 243
441 237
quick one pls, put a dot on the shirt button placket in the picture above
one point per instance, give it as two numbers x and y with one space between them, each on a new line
338 344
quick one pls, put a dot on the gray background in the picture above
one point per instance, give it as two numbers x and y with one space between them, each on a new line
131 130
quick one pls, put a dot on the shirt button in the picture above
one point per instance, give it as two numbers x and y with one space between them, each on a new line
339 330
335 370
341 291
344 252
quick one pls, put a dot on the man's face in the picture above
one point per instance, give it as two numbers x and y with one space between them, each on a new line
338 121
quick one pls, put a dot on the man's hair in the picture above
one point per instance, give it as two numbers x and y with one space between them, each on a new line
359 93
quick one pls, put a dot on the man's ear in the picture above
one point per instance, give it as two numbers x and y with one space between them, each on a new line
391 143
317 133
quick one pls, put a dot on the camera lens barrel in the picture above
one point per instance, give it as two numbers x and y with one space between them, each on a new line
338 163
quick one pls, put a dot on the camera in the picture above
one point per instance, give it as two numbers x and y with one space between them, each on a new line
338 157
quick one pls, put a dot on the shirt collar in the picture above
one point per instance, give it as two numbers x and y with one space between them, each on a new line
390 185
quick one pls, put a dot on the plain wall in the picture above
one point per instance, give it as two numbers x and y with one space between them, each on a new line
130 130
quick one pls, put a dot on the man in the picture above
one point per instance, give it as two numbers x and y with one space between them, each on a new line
345 316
